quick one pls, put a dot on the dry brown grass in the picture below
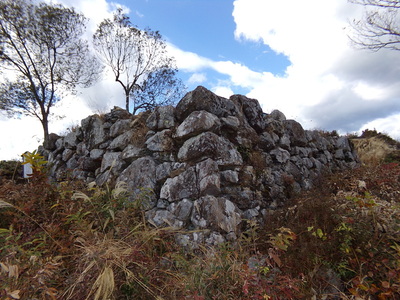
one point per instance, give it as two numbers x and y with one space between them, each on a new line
141 129
339 240
373 150
104 260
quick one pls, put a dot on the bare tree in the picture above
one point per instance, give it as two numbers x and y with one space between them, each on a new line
136 58
42 50
380 26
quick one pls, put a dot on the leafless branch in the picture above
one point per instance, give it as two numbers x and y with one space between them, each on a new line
379 28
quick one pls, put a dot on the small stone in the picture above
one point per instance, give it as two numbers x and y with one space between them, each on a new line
230 176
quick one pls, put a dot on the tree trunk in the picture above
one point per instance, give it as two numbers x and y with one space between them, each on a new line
45 125
127 100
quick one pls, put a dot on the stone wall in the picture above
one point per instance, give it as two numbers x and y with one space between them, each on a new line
209 163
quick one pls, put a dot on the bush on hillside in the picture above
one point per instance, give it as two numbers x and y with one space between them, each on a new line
10 169
376 147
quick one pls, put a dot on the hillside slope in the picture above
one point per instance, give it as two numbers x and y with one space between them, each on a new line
375 147
339 240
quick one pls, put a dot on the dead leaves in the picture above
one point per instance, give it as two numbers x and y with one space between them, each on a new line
11 271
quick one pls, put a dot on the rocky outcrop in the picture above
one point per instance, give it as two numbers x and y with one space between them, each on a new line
207 164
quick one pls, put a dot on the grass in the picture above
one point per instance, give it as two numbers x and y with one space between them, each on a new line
339 240
10 169
373 150
347 236
375 147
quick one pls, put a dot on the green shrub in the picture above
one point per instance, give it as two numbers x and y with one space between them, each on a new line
10 169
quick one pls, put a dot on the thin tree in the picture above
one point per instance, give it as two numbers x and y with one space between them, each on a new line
139 62
379 27
43 56
160 88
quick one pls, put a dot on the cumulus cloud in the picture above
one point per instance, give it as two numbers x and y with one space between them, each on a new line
385 125
222 91
238 74
197 78
346 111
138 14
328 85
73 108
188 61
18 136
95 10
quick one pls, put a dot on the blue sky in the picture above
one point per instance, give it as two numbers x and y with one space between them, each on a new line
294 56
207 28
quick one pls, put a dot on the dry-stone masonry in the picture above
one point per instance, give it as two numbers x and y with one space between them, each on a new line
207 164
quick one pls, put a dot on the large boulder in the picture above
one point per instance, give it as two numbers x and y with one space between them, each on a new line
182 210
50 143
277 115
89 164
140 176
208 175
163 117
112 160
122 141
94 133
72 139
119 127
252 111
218 214
203 99
183 186
161 141
210 145
117 113
132 152
296 133
196 123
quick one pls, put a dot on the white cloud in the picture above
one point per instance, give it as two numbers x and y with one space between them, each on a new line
388 125
222 91
239 74
18 136
328 84
26 134
138 14
325 74
306 31
188 61
94 10
369 92
197 78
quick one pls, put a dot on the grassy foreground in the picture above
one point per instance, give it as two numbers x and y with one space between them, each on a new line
340 240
